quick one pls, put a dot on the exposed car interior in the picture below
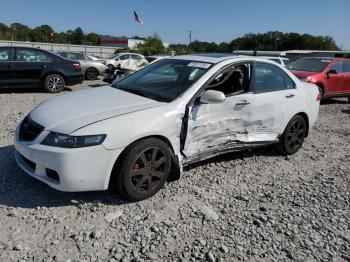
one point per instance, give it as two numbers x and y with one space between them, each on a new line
233 80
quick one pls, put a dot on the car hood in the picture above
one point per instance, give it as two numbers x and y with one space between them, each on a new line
303 74
67 113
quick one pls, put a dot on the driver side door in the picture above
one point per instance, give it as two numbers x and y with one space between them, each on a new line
335 82
252 116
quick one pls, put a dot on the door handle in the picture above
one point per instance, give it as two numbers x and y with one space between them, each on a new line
290 96
43 66
8 67
243 103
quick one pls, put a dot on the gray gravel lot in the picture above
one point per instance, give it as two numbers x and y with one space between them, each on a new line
250 206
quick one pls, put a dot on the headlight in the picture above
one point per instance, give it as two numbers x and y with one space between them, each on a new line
308 79
67 141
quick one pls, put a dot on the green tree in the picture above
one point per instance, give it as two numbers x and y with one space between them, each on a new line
93 38
20 32
4 31
180 49
151 46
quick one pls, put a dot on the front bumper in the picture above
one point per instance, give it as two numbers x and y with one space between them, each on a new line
80 169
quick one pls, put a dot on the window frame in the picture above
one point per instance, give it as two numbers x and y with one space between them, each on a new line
138 57
46 54
13 54
119 57
280 69
348 62
334 63
206 84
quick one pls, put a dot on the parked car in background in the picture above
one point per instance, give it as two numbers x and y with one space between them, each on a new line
90 57
119 60
331 75
32 67
284 61
90 68
139 133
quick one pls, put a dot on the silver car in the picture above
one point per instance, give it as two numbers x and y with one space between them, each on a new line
90 68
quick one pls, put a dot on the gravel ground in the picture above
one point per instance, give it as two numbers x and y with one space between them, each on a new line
249 206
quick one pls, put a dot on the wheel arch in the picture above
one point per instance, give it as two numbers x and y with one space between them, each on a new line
91 67
306 118
175 173
322 86
53 73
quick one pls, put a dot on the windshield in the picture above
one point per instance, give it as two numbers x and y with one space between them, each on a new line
164 80
309 64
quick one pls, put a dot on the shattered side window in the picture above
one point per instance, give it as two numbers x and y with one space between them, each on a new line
233 80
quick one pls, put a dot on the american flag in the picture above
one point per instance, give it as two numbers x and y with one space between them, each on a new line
138 19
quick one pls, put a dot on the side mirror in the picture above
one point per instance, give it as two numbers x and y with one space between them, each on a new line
331 72
212 97
117 59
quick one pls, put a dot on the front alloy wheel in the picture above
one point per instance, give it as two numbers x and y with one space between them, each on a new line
148 170
143 169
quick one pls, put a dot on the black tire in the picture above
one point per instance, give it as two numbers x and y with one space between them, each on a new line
91 73
54 83
293 136
144 168
321 90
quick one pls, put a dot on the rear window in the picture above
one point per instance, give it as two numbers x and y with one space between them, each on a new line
309 64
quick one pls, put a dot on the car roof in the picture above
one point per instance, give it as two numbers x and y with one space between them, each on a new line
217 58
274 57
208 58
26 47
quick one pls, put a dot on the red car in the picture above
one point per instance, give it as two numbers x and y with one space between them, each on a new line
331 75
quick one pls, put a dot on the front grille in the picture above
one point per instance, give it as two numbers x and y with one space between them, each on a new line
29 163
29 130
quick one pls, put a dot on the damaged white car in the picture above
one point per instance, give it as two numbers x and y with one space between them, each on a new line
137 134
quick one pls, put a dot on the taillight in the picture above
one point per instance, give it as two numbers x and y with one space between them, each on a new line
77 66
318 97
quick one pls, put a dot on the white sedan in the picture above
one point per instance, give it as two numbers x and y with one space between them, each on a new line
125 59
139 133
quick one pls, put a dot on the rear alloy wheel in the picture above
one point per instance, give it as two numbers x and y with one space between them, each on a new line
293 136
91 74
54 83
144 170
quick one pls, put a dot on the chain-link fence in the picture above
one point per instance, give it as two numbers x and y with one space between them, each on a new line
99 51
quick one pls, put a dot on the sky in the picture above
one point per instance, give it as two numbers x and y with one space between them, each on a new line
212 21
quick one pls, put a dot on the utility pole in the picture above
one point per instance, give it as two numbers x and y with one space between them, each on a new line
190 35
